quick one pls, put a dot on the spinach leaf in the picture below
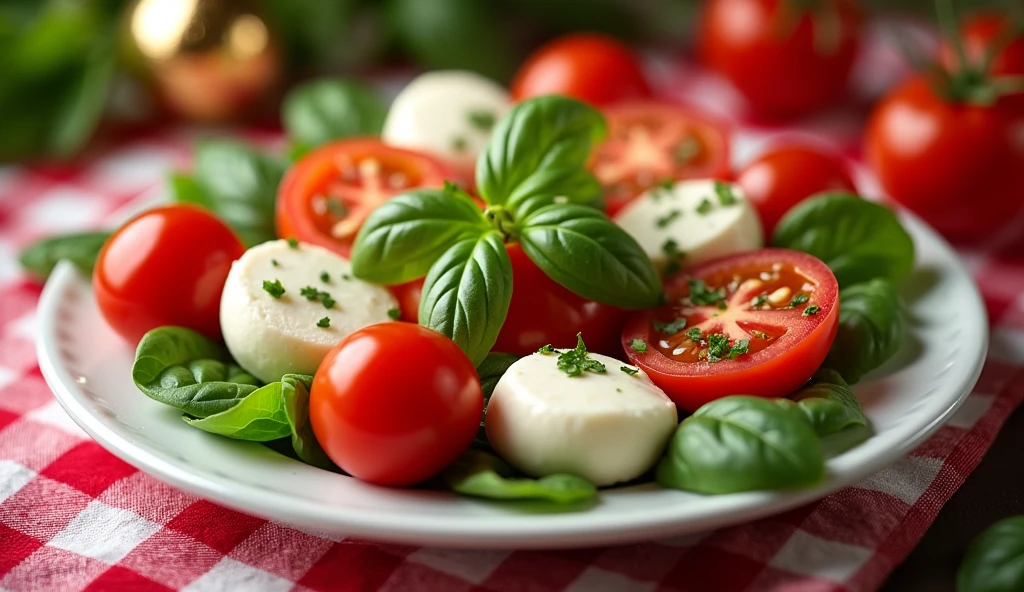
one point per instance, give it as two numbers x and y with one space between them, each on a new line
403 237
742 443
538 153
584 251
259 417
829 404
871 326
296 406
995 560
329 109
467 293
236 183
858 239
82 249
181 368
480 474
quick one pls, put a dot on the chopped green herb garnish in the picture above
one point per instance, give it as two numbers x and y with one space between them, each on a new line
704 207
313 295
293 242
275 263
686 150
670 328
739 348
575 362
798 300
671 249
273 288
759 334
327 301
324 322
638 345
702 296
667 219
694 334
482 120
725 195
760 300
346 277
672 267
325 277
718 347
459 143
547 349
629 370
336 207
663 188
394 314
811 310
618 390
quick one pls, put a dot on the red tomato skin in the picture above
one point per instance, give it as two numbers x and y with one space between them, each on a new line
769 373
781 73
541 312
785 176
957 165
166 266
395 403
597 69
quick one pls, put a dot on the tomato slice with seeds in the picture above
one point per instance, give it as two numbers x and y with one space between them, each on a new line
757 323
326 196
649 143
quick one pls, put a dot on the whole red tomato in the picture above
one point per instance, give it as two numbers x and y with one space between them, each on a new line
959 165
395 403
541 312
166 266
785 59
981 33
783 177
594 68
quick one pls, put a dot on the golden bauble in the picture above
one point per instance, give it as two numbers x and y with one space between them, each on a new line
209 60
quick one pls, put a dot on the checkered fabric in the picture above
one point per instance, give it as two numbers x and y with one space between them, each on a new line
73 517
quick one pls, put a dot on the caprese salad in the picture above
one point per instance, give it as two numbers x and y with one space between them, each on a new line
511 298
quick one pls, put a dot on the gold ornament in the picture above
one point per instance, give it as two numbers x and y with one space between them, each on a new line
209 60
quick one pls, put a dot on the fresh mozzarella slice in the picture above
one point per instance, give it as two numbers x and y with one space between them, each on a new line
692 221
270 336
606 427
448 113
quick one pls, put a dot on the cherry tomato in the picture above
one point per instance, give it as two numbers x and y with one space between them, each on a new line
541 312
766 320
598 69
325 197
395 403
649 143
783 177
980 32
784 59
959 166
166 266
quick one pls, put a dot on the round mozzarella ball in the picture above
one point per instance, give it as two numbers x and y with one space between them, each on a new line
271 336
606 427
691 222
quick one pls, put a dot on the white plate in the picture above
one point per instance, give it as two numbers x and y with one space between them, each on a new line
88 367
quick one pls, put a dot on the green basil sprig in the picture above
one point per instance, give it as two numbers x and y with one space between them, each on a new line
329 109
259 417
81 249
859 240
539 194
995 560
742 443
829 404
480 474
872 322
296 407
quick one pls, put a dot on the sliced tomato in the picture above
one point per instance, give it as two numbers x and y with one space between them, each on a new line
326 196
766 320
649 143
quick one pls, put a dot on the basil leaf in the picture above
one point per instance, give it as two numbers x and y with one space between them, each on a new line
82 249
467 293
538 152
329 109
742 443
871 326
259 417
484 475
858 239
490 372
995 560
829 404
236 183
588 254
181 368
403 237
296 407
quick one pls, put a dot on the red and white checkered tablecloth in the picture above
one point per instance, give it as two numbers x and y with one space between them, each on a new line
73 517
